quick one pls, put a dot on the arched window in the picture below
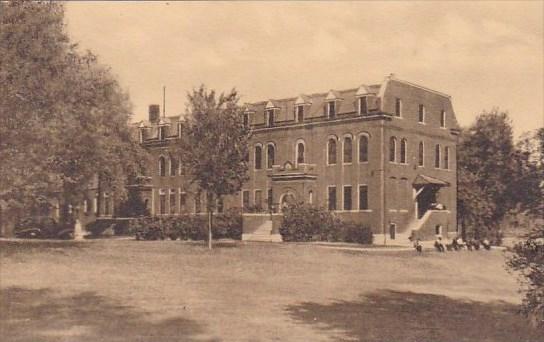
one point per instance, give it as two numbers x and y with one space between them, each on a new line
363 148
173 167
331 151
258 157
348 150
447 158
270 155
437 156
162 166
421 154
403 151
300 152
393 149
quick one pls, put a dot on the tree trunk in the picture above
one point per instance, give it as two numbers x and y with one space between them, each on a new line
210 217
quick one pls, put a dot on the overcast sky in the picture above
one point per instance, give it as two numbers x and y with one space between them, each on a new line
483 54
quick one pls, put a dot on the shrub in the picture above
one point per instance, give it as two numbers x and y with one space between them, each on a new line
187 227
528 259
303 222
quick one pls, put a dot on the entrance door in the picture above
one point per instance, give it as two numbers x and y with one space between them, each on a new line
392 231
287 199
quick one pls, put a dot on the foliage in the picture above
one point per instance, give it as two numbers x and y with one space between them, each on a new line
304 222
64 118
213 146
528 259
187 227
486 169
528 186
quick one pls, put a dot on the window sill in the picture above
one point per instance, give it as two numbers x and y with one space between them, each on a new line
347 163
363 162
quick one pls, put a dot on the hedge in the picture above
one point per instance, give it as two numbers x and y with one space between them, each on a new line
304 222
188 227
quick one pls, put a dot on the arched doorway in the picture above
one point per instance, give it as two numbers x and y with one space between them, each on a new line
287 199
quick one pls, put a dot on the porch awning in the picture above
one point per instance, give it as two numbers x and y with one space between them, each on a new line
428 180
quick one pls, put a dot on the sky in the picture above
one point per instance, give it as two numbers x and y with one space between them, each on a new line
484 54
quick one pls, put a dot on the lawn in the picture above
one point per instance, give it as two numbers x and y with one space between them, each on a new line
125 290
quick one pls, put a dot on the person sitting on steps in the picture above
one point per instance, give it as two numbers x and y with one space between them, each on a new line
439 245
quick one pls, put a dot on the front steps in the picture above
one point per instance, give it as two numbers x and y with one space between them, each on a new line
263 233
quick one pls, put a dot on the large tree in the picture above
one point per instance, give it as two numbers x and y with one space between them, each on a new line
213 147
528 186
63 116
486 170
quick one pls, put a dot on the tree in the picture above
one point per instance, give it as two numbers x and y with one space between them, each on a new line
213 147
528 259
528 186
63 116
486 169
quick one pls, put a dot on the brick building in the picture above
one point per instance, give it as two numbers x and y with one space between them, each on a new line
381 154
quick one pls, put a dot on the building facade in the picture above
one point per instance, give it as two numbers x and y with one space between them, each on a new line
382 155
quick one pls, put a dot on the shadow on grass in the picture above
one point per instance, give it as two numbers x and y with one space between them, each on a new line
36 315
410 317
8 248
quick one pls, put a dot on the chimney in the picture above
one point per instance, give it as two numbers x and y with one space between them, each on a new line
154 113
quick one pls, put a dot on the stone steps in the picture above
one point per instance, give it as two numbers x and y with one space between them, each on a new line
263 234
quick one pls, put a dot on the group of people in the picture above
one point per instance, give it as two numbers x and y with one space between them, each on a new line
456 244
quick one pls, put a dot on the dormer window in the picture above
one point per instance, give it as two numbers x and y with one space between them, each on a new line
421 114
300 113
363 105
162 132
269 117
246 119
331 109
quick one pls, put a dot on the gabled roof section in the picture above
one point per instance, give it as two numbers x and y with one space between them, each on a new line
303 100
366 90
333 95
271 104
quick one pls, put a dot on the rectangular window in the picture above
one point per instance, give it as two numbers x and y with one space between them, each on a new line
332 109
172 201
363 105
220 205
347 197
332 198
95 204
363 197
398 107
107 204
258 198
245 199
270 117
198 207
269 199
421 115
300 113
162 202
182 202
85 206
447 158
443 119
246 120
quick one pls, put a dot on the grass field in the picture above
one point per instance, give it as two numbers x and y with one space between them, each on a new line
124 290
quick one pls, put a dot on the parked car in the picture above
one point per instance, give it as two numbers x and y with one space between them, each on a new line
43 227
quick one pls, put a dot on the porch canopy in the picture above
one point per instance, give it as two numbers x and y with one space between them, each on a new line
422 180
